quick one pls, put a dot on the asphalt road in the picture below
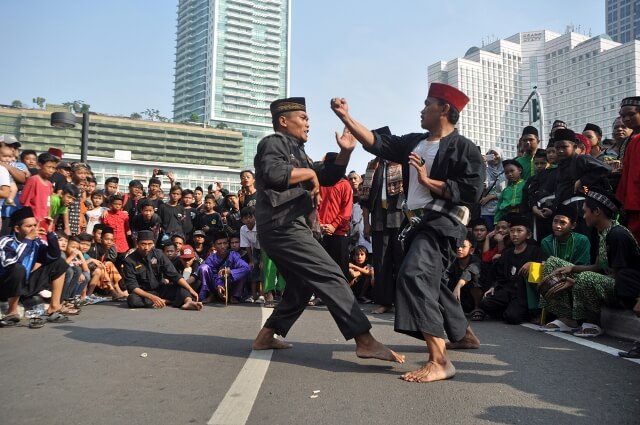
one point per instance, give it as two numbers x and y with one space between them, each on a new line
113 365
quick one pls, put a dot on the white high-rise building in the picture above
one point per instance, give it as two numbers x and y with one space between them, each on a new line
580 80
232 61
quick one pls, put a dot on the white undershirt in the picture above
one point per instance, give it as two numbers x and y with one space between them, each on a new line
418 195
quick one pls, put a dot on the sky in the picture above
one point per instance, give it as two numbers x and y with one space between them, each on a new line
118 55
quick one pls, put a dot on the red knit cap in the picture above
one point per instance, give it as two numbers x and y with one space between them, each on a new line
449 94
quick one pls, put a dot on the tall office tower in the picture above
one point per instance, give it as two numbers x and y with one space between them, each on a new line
623 20
232 61
579 79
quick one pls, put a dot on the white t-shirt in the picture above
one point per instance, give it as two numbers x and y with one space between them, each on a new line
418 195
249 238
5 180
94 217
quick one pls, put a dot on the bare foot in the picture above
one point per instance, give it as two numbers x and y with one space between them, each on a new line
191 305
374 349
431 372
266 340
381 309
468 342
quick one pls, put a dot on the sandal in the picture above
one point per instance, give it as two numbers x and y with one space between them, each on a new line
56 317
557 326
589 330
478 315
36 322
634 353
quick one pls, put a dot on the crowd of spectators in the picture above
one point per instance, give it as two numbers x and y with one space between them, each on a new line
545 238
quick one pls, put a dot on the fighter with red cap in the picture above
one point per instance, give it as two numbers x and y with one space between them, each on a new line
443 176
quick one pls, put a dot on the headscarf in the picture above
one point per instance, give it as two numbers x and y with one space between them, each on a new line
494 171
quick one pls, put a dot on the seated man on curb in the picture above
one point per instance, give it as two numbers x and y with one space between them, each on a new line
28 265
143 274
223 263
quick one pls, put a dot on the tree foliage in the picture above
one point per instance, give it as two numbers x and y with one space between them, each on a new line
135 116
39 101
17 104
154 115
78 106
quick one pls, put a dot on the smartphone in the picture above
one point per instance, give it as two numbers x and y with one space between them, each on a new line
160 173
490 157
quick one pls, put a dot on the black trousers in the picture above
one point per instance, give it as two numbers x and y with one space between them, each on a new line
387 257
627 287
15 282
308 269
424 303
173 292
338 249
509 304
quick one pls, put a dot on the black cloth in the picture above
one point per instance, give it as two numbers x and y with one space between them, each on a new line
424 304
590 172
278 202
509 299
173 219
212 221
387 258
337 246
535 190
38 280
138 224
147 272
233 220
58 181
248 200
622 249
99 253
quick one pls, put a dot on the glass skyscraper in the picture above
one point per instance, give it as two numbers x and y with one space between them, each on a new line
232 61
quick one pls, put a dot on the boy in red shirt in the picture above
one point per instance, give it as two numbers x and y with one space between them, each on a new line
38 189
118 219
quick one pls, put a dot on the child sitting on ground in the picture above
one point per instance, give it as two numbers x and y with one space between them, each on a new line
361 274
507 299
464 278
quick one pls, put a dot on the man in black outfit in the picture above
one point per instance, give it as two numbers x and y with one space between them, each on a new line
288 188
443 176
143 274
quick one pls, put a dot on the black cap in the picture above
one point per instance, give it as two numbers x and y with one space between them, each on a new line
596 129
289 104
220 235
541 153
107 229
511 162
19 215
565 134
530 130
570 211
630 101
606 199
144 235
519 220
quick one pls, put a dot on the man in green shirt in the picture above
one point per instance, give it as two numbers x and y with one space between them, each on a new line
60 203
529 142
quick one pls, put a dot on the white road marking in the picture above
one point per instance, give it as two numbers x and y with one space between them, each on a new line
584 342
235 407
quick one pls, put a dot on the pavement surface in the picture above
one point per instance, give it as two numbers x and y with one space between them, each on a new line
114 365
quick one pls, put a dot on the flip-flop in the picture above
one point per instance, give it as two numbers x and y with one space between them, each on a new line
589 330
15 317
56 317
560 326
478 315
36 322
634 353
